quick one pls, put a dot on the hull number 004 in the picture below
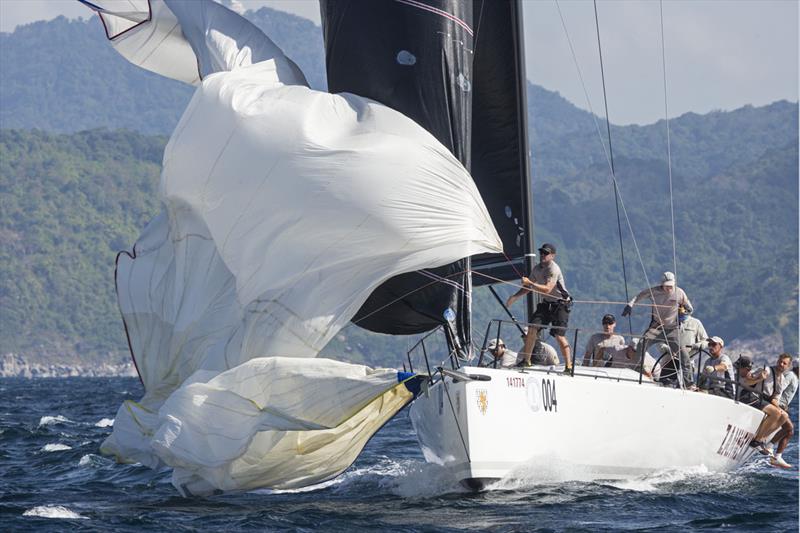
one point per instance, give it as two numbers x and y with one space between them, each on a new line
549 395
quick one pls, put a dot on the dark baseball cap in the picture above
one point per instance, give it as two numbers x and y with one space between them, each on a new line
744 362
547 247
609 319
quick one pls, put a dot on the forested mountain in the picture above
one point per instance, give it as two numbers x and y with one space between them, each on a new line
69 201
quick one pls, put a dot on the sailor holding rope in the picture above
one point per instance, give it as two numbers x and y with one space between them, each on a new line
554 308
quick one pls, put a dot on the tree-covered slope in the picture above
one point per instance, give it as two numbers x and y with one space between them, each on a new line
68 203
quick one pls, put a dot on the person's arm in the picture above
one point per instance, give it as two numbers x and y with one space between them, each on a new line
542 288
701 338
777 389
686 303
636 299
514 297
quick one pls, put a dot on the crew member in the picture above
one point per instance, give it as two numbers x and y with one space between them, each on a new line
502 355
717 375
548 281
666 298
607 348
789 389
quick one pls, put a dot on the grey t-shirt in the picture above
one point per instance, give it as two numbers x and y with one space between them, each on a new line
724 374
789 389
542 273
614 349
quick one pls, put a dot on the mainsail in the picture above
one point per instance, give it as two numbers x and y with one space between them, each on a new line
453 66
283 209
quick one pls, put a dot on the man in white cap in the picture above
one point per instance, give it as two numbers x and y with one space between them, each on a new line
718 373
504 357
667 298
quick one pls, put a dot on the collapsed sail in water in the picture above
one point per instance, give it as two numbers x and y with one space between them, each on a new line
283 209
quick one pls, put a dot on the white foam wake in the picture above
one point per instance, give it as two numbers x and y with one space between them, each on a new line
55 447
50 420
53 511
105 423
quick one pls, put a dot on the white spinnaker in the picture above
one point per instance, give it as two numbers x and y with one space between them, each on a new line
284 208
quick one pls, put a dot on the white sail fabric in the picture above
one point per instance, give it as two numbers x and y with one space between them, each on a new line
266 423
188 39
284 208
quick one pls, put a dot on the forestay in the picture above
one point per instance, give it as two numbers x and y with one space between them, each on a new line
283 208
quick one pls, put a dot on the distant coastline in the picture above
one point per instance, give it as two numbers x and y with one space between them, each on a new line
16 366
763 351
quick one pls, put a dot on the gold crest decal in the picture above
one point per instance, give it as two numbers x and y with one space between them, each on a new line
483 400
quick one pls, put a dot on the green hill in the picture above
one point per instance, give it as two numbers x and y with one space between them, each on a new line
69 201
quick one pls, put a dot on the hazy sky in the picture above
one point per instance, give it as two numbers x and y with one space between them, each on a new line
720 54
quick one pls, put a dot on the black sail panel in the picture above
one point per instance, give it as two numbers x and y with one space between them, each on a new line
500 164
416 57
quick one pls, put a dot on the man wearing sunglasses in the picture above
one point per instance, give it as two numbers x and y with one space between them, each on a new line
547 280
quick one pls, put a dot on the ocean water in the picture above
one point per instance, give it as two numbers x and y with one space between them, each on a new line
52 478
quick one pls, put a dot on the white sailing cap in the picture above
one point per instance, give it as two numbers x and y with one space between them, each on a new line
717 340
668 278
494 343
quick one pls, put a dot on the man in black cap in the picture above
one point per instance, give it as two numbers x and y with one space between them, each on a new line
547 280
606 348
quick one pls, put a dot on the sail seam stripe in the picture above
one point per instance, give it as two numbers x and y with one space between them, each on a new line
439 12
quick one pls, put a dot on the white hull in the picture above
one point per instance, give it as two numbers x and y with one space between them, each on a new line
605 428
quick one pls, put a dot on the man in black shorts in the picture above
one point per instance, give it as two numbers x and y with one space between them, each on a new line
547 281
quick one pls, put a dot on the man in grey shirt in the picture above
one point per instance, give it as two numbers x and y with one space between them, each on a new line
606 348
548 281
787 385
667 298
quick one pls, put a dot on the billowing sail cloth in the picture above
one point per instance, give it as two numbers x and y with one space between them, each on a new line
284 208
454 66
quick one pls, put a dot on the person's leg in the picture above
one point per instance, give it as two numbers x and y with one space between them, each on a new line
560 323
647 339
775 418
563 344
530 341
787 431
685 361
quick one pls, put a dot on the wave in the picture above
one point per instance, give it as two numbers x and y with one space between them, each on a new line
55 447
53 511
51 420
105 423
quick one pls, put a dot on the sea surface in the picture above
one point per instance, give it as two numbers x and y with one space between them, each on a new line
52 478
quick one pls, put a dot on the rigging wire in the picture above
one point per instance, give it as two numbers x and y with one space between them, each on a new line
611 159
608 160
669 149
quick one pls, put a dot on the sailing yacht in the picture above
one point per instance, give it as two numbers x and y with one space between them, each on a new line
289 213
457 68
